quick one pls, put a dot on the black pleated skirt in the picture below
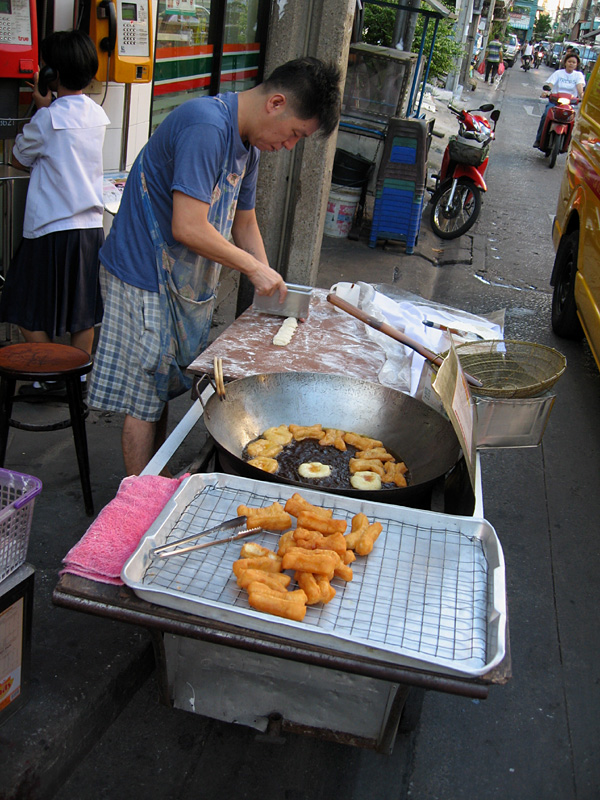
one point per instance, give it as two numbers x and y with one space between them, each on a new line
52 284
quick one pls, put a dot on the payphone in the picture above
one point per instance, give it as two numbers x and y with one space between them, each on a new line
121 30
18 39
18 57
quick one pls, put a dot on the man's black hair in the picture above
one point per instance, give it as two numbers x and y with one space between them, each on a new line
314 87
73 55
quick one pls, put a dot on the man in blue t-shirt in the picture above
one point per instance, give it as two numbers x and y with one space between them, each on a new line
187 209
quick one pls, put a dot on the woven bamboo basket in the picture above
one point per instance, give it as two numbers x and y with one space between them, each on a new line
509 368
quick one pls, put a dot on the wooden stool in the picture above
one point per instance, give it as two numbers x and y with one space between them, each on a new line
48 362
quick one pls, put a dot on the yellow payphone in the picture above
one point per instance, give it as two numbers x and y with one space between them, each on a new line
122 30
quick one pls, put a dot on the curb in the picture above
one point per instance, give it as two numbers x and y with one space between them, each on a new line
70 729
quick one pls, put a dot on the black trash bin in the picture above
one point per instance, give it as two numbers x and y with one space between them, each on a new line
350 169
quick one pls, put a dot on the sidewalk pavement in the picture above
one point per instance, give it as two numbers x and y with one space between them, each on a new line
84 669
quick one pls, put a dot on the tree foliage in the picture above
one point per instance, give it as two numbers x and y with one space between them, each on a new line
378 28
543 25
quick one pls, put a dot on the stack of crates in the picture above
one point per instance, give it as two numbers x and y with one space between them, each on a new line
400 189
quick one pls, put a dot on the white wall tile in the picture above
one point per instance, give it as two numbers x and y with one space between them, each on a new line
113 105
111 152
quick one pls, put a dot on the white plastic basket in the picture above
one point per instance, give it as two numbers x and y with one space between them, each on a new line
17 497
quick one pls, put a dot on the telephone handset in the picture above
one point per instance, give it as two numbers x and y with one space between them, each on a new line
46 76
106 8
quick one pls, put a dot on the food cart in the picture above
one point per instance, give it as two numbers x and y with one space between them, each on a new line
344 673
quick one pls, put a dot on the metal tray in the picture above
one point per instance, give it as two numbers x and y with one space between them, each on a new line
296 302
430 595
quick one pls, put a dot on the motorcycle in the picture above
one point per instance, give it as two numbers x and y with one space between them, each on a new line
456 199
558 126
538 58
526 63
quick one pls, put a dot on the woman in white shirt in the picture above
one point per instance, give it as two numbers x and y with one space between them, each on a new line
52 287
568 79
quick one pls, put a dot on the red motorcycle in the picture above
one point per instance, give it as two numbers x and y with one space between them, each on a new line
558 126
456 199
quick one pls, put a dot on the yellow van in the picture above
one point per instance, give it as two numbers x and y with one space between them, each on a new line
576 229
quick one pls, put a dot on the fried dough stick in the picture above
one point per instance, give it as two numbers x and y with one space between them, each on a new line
296 504
291 605
275 580
306 519
272 518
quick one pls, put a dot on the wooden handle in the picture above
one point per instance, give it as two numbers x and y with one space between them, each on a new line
394 333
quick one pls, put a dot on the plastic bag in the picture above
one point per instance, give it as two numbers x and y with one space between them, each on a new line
481 68
501 68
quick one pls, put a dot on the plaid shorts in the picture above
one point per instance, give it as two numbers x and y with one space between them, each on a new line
128 351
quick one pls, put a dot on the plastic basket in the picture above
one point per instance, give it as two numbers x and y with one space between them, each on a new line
17 496
509 368
467 151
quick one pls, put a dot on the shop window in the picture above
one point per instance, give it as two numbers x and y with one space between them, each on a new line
205 46
241 47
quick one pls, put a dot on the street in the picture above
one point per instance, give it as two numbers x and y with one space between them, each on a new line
535 737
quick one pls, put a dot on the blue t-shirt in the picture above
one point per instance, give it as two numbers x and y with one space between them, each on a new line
187 153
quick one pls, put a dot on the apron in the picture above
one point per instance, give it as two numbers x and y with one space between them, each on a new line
187 284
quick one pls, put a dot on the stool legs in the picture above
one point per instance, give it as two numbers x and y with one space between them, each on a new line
7 390
77 409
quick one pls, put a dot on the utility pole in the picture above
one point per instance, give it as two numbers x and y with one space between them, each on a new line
488 26
465 13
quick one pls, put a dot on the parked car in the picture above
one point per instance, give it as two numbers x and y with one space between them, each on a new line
511 50
576 233
588 56
553 54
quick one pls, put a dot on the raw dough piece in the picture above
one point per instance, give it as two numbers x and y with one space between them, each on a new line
284 335
314 469
366 480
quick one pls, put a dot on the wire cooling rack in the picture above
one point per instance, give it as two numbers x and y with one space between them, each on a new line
426 592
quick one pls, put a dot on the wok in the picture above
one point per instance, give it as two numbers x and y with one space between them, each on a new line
412 430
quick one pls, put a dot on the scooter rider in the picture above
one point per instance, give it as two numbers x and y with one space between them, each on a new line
567 79
538 56
526 52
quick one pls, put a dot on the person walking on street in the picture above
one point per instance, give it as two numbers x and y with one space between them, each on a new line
493 59
52 286
190 188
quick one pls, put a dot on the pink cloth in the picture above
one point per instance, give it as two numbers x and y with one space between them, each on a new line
114 535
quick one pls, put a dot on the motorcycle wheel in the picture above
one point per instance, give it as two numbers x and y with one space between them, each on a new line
555 149
565 321
450 223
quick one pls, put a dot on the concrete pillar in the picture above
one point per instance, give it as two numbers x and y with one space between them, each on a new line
465 12
293 187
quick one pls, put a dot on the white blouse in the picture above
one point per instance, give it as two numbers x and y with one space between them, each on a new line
63 147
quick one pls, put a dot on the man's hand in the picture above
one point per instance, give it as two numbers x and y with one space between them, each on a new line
267 282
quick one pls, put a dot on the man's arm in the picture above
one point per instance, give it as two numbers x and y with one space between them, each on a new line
246 234
191 227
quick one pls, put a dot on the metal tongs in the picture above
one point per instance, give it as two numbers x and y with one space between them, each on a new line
174 549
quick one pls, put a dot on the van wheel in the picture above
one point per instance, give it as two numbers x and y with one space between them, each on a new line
565 321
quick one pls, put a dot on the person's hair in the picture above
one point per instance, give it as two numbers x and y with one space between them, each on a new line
570 55
73 55
314 88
